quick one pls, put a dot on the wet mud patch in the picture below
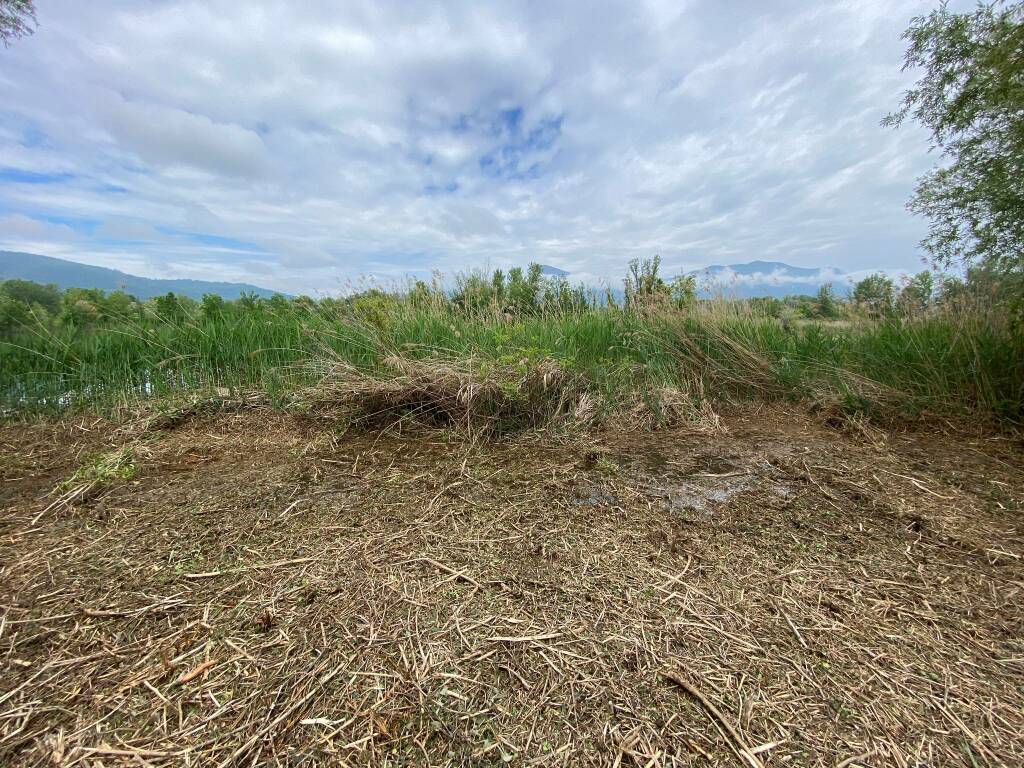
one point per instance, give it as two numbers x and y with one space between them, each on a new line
695 485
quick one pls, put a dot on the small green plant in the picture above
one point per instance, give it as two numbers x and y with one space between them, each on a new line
103 469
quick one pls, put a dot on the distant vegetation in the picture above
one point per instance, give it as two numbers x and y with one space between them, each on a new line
935 343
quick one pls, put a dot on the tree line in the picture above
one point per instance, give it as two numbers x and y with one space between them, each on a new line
26 305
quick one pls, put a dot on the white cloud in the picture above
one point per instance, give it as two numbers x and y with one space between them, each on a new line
17 226
395 137
776 276
173 137
128 229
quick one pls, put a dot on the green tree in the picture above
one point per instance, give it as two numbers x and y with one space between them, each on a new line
14 315
916 295
684 291
169 308
249 301
874 294
475 292
212 306
643 286
952 290
768 306
523 291
29 292
375 307
80 307
422 296
17 19
825 305
970 96
498 284
993 288
278 304
118 306
558 296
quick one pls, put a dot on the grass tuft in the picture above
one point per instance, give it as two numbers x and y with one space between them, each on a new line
103 469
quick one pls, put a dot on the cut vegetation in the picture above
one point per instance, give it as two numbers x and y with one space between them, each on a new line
268 589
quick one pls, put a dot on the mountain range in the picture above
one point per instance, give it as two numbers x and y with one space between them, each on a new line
767 278
753 278
69 274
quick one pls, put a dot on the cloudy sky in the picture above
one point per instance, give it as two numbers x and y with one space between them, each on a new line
302 149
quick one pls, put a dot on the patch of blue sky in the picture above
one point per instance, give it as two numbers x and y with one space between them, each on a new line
223 242
506 162
494 123
117 243
33 137
81 225
511 119
15 126
18 176
441 189
215 241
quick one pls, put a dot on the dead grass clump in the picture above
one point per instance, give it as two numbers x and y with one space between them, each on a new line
480 398
171 413
856 425
669 408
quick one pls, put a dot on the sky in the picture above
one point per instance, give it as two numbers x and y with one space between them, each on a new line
307 147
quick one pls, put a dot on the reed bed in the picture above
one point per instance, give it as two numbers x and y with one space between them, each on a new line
963 362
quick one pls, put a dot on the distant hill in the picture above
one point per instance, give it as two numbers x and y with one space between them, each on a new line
767 278
549 271
752 278
69 274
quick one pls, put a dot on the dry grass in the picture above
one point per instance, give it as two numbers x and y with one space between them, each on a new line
456 393
667 408
266 593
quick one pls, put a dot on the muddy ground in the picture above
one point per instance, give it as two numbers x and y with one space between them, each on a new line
263 590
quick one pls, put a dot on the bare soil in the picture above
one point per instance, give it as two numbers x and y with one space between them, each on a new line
270 591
